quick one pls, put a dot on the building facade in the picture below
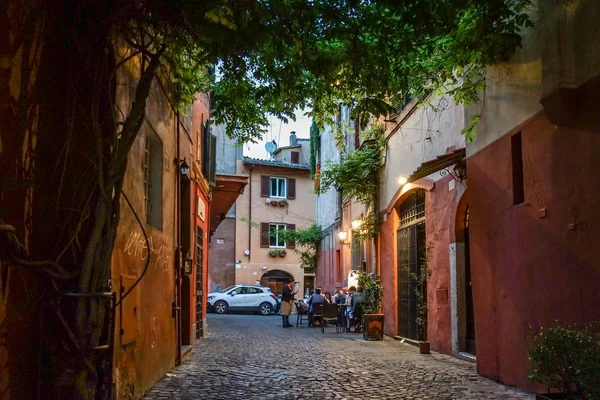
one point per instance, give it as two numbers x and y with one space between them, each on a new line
533 189
279 196
221 267
339 258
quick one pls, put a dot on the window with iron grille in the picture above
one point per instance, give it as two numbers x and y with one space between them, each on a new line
413 208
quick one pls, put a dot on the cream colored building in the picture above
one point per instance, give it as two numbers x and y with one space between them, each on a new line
279 196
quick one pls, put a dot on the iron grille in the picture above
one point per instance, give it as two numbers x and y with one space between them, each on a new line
413 208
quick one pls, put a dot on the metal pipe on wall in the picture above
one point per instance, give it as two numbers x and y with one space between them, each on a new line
250 213
178 257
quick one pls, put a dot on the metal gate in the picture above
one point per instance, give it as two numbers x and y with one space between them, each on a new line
199 263
411 256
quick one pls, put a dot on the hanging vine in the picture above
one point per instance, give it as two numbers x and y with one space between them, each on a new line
357 176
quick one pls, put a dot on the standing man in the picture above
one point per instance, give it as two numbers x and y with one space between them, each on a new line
287 302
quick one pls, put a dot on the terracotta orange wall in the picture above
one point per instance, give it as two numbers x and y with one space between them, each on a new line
141 363
440 209
529 268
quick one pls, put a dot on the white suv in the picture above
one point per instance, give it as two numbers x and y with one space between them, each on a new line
243 298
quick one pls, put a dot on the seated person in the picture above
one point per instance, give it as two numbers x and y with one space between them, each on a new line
340 298
358 297
314 299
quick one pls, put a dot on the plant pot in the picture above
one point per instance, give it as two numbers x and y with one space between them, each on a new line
282 204
373 326
424 347
555 396
274 203
282 253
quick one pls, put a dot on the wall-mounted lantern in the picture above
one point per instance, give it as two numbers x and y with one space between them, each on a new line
184 168
458 173
342 235
460 170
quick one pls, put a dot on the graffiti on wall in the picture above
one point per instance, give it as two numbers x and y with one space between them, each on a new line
136 246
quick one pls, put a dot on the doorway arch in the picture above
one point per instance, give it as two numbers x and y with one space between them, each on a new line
275 280
462 311
411 248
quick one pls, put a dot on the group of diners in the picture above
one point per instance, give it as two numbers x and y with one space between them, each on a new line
348 302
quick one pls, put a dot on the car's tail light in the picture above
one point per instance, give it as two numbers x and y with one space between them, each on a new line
273 296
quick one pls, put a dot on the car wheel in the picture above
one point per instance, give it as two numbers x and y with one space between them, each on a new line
220 307
265 309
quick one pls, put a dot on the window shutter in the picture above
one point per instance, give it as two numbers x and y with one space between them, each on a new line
264 234
206 150
290 244
291 188
265 181
213 160
295 157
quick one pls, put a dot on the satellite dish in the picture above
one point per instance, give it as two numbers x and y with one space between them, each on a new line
270 147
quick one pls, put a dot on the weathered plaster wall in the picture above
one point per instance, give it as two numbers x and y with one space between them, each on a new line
222 255
227 152
531 269
300 211
535 263
142 362
423 135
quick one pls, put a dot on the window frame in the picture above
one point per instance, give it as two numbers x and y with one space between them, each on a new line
276 237
285 187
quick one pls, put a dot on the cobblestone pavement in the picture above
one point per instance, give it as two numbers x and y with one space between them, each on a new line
253 357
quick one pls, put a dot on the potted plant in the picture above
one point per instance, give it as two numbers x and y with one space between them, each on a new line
420 290
282 253
566 359
283 203
274 202
273 253
373 319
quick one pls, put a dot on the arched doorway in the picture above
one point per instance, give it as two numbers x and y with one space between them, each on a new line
275 280
411 253
463 315
469 345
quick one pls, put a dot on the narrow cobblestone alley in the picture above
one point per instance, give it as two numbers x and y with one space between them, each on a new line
253 357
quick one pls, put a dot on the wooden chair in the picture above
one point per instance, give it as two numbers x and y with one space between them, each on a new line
357 320
329 314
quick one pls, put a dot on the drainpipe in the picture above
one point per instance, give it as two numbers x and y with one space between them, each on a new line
178 256
250 212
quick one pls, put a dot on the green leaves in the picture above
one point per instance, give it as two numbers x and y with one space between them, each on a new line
307 240
566 358
278 55
357 173
373 290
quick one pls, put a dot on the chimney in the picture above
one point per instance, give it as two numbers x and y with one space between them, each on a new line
293 140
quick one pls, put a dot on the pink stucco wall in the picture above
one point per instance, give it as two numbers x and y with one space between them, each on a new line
440 211
537 262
